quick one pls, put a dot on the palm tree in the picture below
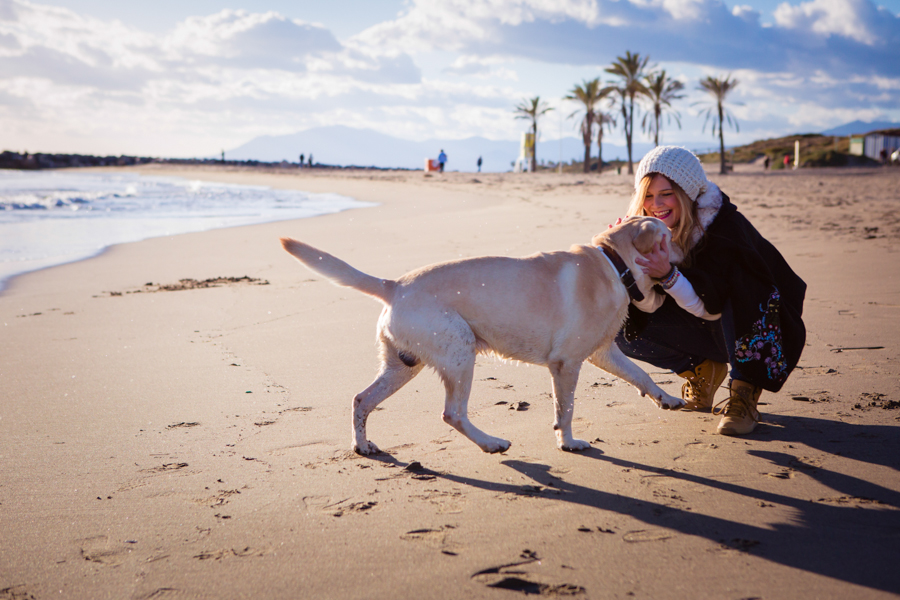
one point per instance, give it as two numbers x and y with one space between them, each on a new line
532 109
661 91
716 113
630 70
589 94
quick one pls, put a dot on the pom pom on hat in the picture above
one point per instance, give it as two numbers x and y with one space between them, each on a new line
679 165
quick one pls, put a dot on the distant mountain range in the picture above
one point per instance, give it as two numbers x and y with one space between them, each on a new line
860 127
347 146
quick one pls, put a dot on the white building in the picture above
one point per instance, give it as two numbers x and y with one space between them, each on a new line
873 143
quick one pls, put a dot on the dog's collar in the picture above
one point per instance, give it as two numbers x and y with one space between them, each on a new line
625 275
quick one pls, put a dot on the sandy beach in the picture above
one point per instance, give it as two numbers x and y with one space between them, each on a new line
166 438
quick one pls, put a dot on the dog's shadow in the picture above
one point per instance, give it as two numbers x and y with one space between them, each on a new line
851 537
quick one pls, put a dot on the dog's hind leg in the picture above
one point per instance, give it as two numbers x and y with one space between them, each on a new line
565 379
613 361
397 369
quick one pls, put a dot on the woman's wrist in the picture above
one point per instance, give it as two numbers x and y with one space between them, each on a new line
669 279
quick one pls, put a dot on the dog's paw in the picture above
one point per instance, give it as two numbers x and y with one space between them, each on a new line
667 401
495 445
574 445
365 448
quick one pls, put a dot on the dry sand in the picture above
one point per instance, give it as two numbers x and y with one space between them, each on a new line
194 442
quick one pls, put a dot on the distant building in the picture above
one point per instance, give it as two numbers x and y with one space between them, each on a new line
872 143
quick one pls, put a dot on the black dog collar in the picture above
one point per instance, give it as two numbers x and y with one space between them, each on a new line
625 275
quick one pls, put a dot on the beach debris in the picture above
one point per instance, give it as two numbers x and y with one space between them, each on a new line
192 284
522 405
870 400
166 467
740 544
183 424
845 348
220 554
647 535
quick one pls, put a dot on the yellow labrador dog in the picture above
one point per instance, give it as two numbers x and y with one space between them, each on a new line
555 309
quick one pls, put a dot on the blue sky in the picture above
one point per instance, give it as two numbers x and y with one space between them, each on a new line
191 77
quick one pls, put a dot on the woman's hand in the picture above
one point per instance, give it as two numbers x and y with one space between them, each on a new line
618 222
656 262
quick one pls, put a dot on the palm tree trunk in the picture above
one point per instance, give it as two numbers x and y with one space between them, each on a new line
586 126
600 148
534 147
656 114
721 142
629 130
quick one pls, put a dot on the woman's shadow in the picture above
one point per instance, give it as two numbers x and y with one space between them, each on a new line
852 537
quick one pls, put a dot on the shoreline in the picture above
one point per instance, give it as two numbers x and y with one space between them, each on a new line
195 443
87 214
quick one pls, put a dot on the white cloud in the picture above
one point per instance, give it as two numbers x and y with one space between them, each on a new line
247 40
219 79
484 68
845 18
746 13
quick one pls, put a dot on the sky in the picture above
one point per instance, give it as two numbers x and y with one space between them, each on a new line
193 77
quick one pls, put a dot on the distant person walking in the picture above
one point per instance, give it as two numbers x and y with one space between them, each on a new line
301 160
310 159
442 158
479 164
766 163
787 160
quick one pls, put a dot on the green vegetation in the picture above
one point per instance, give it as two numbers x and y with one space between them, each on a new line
815 151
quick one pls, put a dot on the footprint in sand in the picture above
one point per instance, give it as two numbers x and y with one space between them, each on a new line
434 538
447 503
101 550
697 451
514 576
345 507
16 592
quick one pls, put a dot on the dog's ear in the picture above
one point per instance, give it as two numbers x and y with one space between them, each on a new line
647 234
595 241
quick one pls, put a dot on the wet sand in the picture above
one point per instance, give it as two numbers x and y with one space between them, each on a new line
175 420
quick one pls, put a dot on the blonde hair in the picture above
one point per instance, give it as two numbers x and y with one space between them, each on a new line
681 235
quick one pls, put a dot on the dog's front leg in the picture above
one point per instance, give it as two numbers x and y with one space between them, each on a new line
456 411
565 379
613 361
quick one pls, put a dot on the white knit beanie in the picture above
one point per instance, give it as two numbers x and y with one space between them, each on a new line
679 165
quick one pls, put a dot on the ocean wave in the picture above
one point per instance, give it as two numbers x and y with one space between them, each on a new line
50 218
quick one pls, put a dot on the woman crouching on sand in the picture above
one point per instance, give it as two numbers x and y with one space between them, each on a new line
731 301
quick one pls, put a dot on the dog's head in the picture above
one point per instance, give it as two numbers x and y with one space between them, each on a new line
640 232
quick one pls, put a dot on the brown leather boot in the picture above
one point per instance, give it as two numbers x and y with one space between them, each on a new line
701 385
739 415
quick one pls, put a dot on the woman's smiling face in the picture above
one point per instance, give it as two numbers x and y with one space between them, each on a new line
661 202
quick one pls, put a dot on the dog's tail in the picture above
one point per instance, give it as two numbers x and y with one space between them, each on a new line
339 272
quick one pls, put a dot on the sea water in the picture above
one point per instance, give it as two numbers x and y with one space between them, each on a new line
49 218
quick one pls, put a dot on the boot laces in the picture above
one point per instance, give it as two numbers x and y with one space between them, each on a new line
690 390
736 407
